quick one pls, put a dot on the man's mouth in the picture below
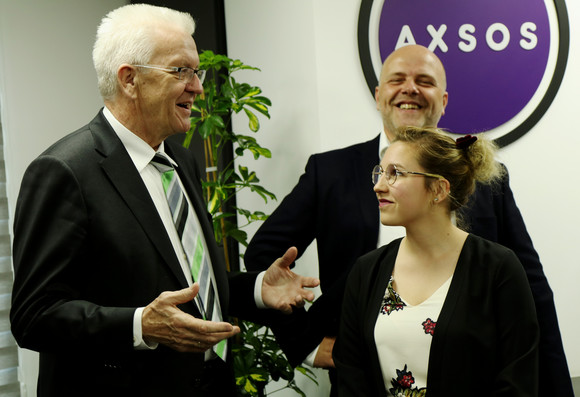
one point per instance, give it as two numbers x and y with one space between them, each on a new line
408 106
185 105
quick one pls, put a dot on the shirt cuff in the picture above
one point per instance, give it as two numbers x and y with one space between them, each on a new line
138 342
310 359
258 291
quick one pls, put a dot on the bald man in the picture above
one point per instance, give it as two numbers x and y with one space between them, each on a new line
334 204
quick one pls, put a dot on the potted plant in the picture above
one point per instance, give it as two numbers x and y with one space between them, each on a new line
257 357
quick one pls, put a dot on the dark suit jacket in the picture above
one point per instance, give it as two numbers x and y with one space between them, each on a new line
89 248
335 204
485 342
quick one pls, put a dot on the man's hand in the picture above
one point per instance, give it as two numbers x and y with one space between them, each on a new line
323 357
282 288
164 323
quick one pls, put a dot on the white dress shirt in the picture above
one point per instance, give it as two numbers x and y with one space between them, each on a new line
141 154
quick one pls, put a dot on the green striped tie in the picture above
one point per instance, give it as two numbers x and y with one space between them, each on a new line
193 243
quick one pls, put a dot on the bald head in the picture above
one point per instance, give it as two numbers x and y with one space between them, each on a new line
418 55
412 89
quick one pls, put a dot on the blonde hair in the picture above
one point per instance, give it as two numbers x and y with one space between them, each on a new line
128 35
464 162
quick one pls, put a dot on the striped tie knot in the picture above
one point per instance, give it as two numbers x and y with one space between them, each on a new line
162 163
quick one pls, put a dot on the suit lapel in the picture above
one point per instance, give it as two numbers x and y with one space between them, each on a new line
367 159
124 177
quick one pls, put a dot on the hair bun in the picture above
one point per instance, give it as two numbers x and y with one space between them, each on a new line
465 141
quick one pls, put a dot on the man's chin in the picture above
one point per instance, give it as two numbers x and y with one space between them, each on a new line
411 122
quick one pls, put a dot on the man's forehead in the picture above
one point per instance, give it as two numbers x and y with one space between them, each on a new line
416 66
413 64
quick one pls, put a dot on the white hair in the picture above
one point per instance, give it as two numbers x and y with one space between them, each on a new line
127 35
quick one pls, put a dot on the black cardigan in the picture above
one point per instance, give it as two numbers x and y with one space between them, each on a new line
486 339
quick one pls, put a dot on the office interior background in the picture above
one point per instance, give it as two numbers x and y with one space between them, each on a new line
308 55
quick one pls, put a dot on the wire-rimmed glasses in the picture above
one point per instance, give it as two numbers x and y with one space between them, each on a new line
392 172
186 74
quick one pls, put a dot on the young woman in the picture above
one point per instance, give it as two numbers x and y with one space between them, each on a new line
440 310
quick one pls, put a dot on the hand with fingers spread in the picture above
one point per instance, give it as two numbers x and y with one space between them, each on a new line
163 322
282 288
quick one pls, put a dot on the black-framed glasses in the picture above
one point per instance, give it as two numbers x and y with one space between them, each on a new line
392 172
186 74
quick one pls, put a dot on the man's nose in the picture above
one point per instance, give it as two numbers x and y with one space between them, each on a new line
195 85
410 88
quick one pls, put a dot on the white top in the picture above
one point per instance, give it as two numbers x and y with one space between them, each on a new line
403 335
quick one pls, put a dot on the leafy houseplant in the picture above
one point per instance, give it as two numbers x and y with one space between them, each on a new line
257 356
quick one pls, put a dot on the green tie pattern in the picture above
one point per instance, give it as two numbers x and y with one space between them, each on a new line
192 241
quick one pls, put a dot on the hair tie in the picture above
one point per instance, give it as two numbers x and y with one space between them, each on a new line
465 141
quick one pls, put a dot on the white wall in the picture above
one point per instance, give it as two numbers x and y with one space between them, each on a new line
48 88
308 54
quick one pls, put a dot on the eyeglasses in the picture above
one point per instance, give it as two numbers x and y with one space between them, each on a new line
392 172
185 74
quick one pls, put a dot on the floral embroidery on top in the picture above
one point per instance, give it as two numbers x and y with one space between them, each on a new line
429 326
403 385
391 301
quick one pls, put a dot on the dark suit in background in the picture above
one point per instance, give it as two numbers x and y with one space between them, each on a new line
334 203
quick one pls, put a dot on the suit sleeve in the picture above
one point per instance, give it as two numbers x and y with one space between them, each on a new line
518 331
291 224
512 233
50 230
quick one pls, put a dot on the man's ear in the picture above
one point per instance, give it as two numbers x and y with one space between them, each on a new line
445 100
126 75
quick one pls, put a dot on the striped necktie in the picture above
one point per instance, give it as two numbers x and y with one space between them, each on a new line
193 243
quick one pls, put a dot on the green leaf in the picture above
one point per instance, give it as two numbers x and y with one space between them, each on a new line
249 387
240 236
307 372
214 202
258 151
252 92
259 107
258 377
253 121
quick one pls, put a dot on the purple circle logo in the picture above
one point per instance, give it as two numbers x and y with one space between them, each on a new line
504 62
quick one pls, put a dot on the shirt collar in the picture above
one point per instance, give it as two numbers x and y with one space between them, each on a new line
139 150
383 145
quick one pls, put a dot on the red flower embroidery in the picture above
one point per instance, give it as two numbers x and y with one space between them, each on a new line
407 381
405 378
403 385
429 326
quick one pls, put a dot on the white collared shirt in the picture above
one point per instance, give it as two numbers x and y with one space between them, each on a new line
141 154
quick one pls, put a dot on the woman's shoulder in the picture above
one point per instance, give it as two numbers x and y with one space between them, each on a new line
379 259
489 255
482 245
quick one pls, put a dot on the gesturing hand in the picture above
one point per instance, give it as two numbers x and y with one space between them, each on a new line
164 323
282 288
